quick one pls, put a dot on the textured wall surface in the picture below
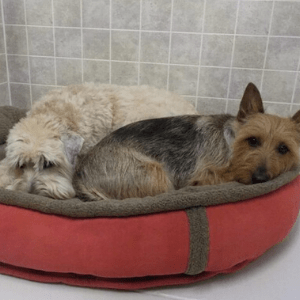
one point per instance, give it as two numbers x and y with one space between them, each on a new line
206 50
4 87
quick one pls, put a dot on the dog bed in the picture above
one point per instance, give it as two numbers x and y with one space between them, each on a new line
175 238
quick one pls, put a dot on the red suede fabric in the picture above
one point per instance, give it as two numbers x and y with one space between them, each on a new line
245 230
155 244
144 251
111 283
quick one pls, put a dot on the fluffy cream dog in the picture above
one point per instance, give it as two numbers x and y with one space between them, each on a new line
42 148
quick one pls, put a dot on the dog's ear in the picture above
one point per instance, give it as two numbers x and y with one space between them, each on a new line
296 117
251 103
72 144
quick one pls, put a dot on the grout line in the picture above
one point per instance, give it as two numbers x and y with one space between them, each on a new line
189 96
267 48
81 39
110 16
170 45
164 31
156 63
192 96
216 98
295 86
140 42
5 50
232 53
28 57
36 84
54 43
200 54
235 99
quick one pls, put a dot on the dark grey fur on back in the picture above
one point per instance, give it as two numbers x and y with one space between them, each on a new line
180 144
177 142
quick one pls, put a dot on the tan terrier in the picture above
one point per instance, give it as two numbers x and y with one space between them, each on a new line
155 156
42 148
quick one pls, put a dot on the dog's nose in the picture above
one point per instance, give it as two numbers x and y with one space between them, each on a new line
260 175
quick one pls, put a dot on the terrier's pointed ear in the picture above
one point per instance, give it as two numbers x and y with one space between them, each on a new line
251 102
296 117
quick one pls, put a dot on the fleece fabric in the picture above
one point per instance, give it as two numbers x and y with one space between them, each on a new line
175 200
8 117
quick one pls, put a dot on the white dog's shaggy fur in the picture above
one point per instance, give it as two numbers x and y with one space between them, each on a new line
42 148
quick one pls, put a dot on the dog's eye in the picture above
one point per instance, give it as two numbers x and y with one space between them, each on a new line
48 164
253 141
283 149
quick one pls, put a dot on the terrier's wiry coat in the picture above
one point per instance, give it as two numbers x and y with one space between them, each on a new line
155 156
42 148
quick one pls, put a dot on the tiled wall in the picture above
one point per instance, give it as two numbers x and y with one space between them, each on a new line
4 88
206 50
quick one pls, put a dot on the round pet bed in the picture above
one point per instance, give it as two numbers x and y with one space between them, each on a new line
176 238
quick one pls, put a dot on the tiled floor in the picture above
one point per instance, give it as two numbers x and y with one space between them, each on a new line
274 276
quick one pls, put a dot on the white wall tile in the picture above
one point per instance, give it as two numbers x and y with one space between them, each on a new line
208 49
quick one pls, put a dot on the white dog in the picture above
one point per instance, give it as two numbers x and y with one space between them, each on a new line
42 148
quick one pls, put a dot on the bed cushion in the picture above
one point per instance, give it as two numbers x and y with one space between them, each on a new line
179 237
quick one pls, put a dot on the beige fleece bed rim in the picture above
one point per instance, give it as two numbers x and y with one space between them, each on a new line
176 200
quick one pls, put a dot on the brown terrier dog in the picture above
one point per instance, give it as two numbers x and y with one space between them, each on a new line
150 157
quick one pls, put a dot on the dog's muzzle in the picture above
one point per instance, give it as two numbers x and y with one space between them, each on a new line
260 175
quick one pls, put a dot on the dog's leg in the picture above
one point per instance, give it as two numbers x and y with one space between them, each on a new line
151 179
119 174
211 175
